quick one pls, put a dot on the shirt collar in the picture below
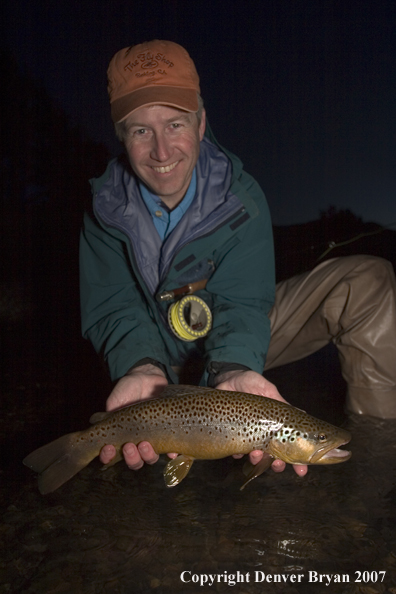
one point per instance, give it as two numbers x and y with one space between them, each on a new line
153 202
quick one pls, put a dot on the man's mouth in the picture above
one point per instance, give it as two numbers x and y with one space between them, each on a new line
165 169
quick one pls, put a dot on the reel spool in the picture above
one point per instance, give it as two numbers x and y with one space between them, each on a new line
190 318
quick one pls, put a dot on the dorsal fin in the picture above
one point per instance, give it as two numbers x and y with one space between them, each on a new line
182 390
99 416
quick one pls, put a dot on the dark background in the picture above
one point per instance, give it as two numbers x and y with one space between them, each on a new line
302 91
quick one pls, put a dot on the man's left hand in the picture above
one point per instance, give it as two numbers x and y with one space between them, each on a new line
254 383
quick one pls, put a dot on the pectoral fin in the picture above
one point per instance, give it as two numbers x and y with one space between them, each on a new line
177 469
252 471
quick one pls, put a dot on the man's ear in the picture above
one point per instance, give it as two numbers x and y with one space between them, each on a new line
202 125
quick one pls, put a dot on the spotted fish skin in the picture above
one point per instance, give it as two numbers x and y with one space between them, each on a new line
200 423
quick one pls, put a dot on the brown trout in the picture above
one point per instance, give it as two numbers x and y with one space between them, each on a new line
199 423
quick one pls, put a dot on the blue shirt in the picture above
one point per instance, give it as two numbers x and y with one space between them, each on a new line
164 219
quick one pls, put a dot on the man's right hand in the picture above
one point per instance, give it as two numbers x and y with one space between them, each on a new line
141 383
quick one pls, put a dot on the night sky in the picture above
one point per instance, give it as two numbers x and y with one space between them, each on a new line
302 91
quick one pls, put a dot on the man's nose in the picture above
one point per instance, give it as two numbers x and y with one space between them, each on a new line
161 149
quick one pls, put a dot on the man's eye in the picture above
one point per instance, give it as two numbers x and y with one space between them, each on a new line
140 132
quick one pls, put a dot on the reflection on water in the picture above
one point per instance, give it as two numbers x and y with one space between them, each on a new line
104 532
119 532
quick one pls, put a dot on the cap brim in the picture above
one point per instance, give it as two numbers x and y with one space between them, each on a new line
185 99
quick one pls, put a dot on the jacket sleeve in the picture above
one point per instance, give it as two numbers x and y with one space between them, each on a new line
114 314
243 291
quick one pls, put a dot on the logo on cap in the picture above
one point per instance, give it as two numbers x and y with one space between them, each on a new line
150 73
149 64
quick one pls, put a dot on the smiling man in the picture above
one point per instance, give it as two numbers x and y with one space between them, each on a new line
163 147
180 210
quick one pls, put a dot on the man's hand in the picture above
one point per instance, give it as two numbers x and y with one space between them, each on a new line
254 383
141 383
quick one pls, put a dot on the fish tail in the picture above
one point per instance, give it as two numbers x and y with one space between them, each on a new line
59 461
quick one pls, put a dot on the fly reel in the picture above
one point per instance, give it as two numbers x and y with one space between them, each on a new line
190 318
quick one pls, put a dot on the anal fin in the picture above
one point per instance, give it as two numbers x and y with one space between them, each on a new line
252 471
177 469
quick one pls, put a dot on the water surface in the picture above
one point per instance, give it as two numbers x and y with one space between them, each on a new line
123 532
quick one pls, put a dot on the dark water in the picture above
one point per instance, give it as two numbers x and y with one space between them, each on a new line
122 532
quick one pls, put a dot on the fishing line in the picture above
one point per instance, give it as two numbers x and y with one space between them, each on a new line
333 244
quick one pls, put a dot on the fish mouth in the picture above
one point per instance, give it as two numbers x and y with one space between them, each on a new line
331 455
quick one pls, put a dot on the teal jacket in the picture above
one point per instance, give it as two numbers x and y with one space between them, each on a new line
225 235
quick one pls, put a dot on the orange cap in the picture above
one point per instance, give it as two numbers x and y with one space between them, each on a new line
152 73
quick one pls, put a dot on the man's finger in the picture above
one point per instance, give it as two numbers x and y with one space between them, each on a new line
132 456
278 465
107 453
300 469
147 452
255 456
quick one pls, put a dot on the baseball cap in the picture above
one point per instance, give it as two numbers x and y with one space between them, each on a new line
152 73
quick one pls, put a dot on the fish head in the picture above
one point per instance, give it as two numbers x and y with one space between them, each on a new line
310 442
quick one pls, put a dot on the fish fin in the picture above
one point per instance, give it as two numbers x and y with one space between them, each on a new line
177 469
252 471
59 460
99 416
180 390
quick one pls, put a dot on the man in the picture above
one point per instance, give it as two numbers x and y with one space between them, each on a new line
181 210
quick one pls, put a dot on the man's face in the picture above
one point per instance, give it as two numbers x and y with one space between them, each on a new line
163 147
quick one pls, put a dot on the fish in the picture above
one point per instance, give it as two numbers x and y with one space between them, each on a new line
200 424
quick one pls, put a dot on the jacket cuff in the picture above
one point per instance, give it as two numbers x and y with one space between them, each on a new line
216 368
148 361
